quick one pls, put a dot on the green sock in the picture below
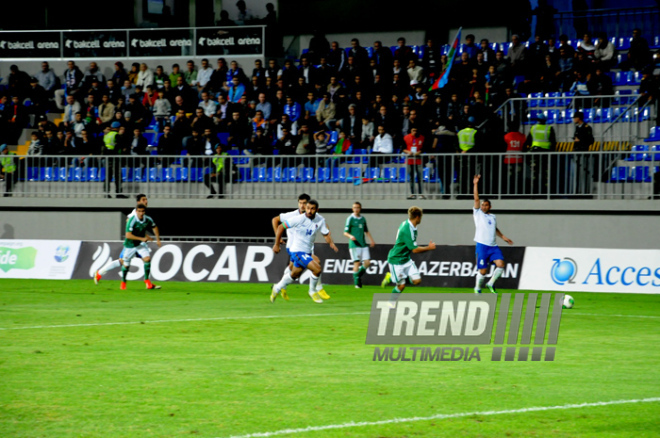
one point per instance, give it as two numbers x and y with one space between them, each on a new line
361 271
124 273
355 277
396 290
147 270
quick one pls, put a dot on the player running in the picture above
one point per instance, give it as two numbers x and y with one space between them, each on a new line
136 243
277 220
303 228
114 264
402 267
487 250
356 229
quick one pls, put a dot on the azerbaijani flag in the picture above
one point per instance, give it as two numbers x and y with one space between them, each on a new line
444 77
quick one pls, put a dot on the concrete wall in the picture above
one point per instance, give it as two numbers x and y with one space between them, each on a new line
57 225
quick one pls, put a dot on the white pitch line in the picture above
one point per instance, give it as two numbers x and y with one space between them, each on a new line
618 316
221 318
441 417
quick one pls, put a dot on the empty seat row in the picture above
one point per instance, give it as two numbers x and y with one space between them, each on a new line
330 175
643 152
592 115
95 174
634 174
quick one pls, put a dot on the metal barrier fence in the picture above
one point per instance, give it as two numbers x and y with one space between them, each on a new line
599 175
616 117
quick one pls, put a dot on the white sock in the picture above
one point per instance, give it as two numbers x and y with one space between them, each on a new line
497 274
480 281
114 264
319 284
287 270
313 281
284 282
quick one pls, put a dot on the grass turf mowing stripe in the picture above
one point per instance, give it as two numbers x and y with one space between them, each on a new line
221 318
443 417
161 321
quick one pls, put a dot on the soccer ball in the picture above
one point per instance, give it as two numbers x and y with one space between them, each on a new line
568 302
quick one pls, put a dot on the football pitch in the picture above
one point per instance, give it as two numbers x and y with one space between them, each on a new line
219 360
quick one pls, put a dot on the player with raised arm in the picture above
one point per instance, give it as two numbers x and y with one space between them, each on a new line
356 230
304 228
114 264
487 250
401 266
136 243
277 220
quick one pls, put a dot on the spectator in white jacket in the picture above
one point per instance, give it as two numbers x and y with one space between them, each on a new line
604 53
383 144
145 76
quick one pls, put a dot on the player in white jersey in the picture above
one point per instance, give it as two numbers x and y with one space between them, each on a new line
114 264
303 228
277 220
485 236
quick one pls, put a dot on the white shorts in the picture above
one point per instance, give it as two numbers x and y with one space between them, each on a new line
128 253
360 254
401 272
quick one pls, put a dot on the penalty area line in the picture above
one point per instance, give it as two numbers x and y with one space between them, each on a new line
161 321
443 417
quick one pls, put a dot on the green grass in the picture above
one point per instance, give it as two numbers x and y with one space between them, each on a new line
239 373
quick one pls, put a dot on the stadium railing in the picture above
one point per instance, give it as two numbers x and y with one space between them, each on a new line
617 173
619 117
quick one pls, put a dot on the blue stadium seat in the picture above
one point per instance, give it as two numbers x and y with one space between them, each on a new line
33 174
641 174
372 173
168 175
278 175
126 174
92 174
323 174
102 174
535 100
139 175
554 98
334 137
155 174
619 174
291 174
553 117
637 152
390 174
429 175
624 43
354 173
181 174
654 153
243 174
403 175
308 174
338 174
78 174
654 134
258 174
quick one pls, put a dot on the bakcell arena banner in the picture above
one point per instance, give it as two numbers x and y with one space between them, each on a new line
447 266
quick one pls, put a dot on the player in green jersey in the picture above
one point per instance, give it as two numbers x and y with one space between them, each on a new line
356 230
136 243
401 265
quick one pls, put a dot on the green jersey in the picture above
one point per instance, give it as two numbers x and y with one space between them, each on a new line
138 228
356 226
406 241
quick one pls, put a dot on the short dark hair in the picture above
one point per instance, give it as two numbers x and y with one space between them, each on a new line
304 197
358 203
486 200
140 196
313 202
139 206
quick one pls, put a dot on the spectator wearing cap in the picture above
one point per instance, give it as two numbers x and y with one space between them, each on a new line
38 97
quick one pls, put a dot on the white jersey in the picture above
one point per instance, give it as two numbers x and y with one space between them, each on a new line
133 213
304 229
285 216
486 228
